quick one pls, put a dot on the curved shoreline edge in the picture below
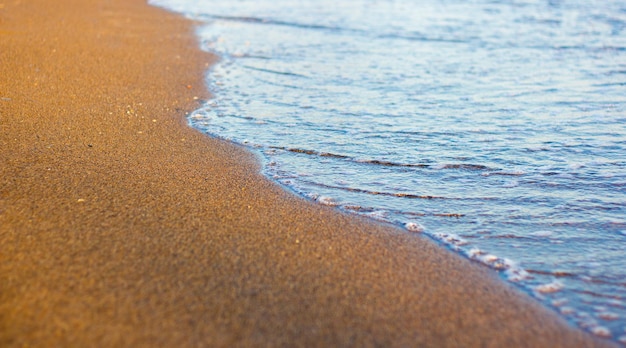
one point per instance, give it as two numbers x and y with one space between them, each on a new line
122 226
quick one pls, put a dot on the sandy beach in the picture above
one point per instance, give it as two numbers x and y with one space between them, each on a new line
120 226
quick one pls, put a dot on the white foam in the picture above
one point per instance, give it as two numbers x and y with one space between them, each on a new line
450 239
325 200
615 303
414 227
312 196
513 272
379 215
588 323
559 302
601 331
516 274
608 316
548 288
488 258
482 256
473 252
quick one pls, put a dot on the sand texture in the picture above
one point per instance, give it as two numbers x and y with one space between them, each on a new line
122 227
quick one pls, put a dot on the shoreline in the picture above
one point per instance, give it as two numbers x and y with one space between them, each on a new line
120 225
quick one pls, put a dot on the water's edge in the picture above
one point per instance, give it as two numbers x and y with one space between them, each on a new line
507 270
543 287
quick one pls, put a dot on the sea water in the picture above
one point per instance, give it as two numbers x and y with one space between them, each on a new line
497 127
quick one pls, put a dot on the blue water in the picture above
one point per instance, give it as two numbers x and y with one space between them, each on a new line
497 127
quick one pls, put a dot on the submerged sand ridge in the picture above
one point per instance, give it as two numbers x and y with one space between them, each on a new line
121 226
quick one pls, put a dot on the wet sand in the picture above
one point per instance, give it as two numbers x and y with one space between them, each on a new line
121 226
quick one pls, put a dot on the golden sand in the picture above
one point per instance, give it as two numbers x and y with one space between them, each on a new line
121 226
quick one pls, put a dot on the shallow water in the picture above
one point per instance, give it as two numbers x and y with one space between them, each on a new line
495 127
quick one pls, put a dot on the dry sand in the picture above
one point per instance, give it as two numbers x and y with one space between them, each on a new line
121 226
